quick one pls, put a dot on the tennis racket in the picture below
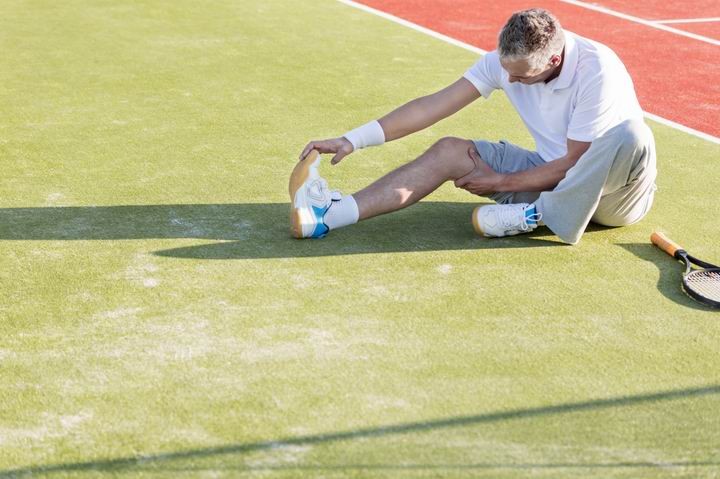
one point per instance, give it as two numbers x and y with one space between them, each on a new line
701 284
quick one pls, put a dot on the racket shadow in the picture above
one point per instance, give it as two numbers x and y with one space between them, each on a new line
670 280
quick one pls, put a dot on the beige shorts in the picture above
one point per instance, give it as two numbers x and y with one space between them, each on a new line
505 157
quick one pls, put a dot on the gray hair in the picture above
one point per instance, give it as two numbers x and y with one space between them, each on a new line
534 35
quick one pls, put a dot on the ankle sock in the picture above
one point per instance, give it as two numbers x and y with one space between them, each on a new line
342 212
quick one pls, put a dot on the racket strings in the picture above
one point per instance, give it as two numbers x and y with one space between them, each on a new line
705 283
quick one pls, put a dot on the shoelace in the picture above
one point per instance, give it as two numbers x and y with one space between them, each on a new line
515 217
317 190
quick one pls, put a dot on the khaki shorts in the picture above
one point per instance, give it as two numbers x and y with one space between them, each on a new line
504 158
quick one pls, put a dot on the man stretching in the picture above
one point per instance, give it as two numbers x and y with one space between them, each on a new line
595 158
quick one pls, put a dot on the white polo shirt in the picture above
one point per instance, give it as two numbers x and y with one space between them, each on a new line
592 94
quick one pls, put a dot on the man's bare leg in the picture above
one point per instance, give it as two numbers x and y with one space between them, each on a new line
446 160
315 210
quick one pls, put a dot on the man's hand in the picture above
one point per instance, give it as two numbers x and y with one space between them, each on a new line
340 146
482 180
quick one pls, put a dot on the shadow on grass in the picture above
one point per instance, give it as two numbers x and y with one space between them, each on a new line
450 467
671 270
259 230
149 461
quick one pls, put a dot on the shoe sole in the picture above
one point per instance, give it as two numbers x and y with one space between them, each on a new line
476 221
298 177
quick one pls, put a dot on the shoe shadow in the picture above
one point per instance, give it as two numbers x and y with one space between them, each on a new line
670 281
259 230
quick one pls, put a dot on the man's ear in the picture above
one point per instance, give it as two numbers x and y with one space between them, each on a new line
555 60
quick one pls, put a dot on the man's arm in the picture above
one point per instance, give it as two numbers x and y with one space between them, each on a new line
484 180
425 111
409 118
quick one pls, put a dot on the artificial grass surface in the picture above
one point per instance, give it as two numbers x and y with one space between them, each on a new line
158 320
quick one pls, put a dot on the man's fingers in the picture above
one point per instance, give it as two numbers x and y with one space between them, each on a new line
327 146
474 155
310 147
336 159
480 165
464 180
469 188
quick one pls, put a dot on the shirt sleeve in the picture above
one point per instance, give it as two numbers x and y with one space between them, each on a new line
485 74
595 109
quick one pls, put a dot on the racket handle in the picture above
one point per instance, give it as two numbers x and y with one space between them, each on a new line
665 243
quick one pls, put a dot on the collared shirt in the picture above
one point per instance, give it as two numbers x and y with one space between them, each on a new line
592 94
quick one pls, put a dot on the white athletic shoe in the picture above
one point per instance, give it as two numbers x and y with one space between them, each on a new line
504 220
310 199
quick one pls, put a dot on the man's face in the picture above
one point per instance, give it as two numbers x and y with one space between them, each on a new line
521 71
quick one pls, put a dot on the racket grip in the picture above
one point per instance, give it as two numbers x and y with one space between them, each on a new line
665 243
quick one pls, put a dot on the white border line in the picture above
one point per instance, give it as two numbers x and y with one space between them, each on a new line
683 128
414 26
642 21
689 20
466 46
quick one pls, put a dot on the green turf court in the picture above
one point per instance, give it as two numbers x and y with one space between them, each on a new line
157 319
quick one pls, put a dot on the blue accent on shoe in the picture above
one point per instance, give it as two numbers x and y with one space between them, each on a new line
320 228
531 215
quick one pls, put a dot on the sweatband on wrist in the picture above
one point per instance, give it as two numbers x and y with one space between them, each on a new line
370 134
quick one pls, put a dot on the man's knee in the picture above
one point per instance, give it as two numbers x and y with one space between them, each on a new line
632 145
632 134
450 145
451 154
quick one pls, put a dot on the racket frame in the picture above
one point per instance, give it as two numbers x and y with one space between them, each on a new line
679 253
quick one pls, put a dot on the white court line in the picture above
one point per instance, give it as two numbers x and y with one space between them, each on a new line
683 128
474 49
642 21
690 20
414 26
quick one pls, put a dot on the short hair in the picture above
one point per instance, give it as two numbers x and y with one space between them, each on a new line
534 35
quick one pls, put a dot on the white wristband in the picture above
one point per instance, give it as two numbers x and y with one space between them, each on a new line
370 134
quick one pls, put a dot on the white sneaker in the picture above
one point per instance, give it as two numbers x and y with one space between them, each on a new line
504 220
310 199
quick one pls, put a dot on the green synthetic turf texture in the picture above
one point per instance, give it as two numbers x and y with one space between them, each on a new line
157 320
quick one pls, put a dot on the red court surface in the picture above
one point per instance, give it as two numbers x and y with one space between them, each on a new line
663 9
676 77
660 11
706 29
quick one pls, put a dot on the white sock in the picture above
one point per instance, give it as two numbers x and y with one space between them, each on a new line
342 212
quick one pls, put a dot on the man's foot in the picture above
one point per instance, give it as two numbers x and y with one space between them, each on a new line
310 199
505 220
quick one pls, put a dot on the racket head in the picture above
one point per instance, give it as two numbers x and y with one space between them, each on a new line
703 285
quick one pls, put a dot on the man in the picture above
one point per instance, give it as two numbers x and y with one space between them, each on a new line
595 156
